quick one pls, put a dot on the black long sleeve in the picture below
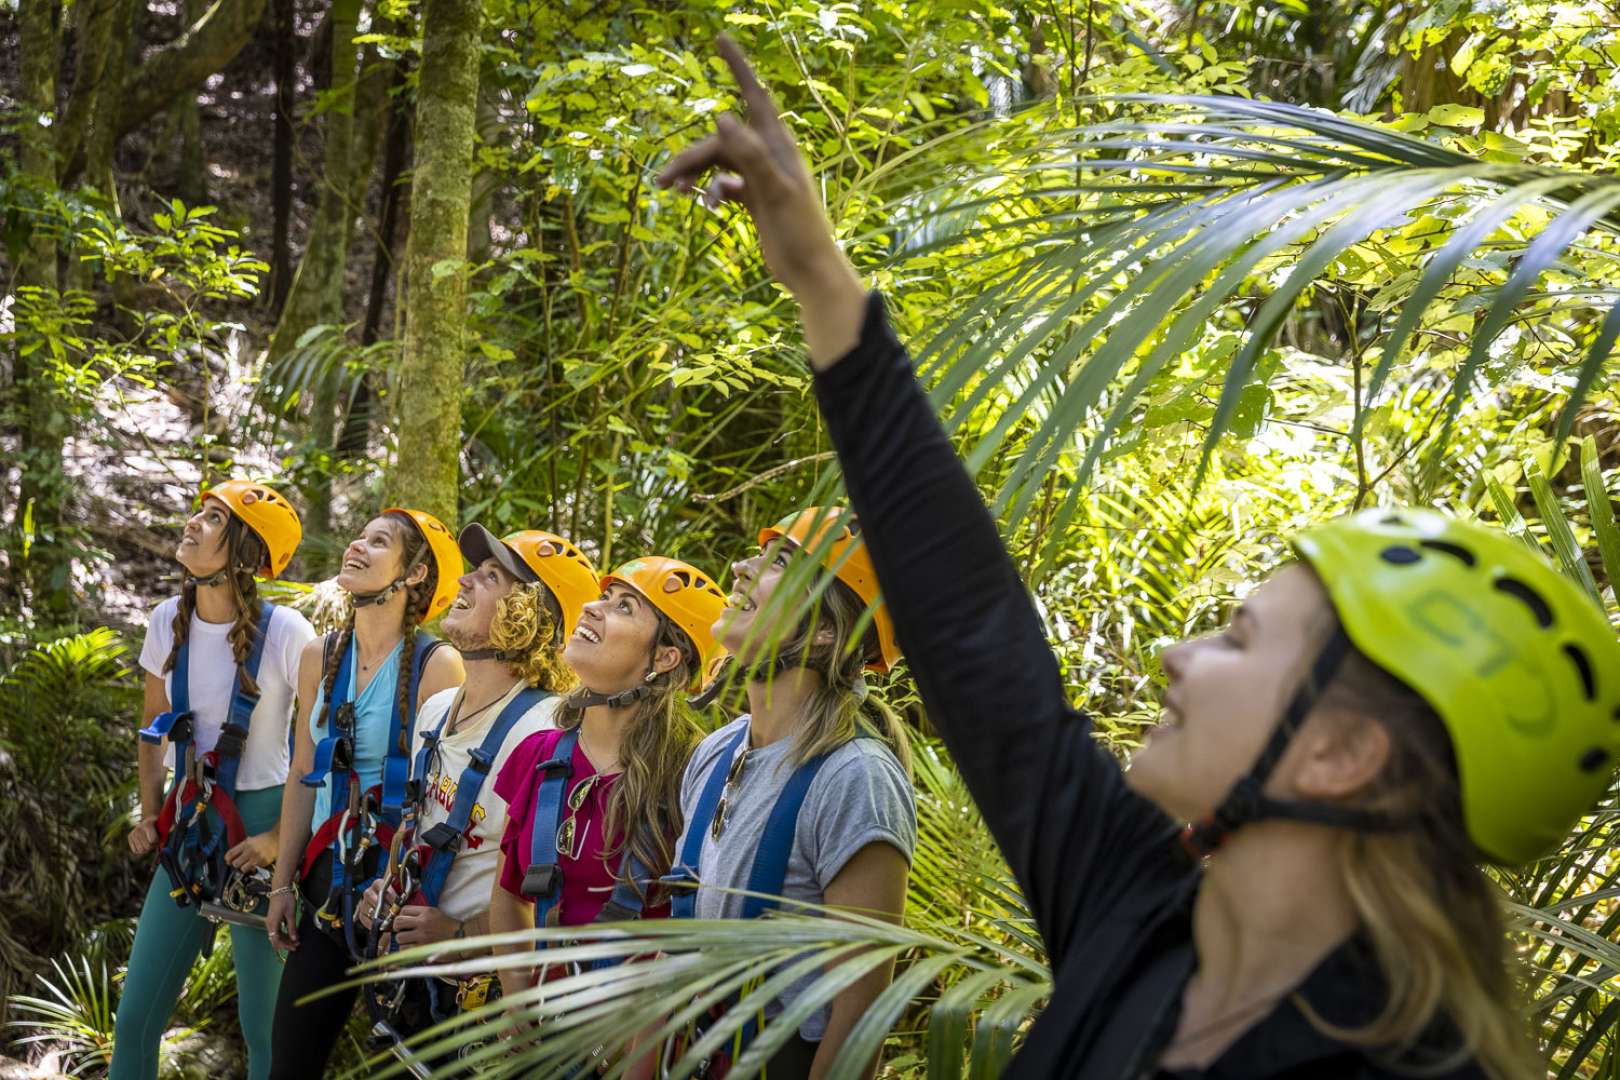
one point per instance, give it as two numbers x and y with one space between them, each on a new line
1108 886
1075 836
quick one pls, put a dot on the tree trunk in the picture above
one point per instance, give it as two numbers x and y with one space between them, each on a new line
485 181
426 474
316 294
210 43
281 155
42 421
355 437
193 181
96 45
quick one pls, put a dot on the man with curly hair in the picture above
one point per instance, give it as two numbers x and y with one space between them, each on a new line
512 612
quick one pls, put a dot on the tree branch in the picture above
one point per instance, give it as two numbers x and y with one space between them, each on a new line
182 65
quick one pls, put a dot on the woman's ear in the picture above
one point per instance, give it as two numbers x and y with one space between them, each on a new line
1341 756
665 658
417 576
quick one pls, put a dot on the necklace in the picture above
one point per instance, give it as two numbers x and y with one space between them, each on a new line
592 758
457 719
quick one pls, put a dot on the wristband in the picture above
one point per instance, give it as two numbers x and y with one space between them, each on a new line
284 890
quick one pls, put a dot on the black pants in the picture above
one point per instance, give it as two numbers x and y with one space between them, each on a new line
304 1036
793 1060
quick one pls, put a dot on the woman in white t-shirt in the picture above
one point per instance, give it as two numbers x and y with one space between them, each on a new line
201 651
512 612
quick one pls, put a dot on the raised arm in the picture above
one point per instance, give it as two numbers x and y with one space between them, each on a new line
1056 801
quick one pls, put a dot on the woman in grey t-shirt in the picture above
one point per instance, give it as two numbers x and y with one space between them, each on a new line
856 827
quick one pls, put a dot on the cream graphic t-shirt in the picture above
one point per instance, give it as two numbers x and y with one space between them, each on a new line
466 890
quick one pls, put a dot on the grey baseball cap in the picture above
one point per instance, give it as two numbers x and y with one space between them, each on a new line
478 543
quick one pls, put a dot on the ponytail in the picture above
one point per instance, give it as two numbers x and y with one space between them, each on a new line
841 705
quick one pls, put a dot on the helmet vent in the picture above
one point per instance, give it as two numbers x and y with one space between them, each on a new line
1392 519
1530 598
1400 555
1583 667
1594 759
1456 551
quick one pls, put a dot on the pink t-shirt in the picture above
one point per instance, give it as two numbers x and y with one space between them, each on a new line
587 881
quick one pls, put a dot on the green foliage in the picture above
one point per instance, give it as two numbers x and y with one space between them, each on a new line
1164 332
74 1017
62 826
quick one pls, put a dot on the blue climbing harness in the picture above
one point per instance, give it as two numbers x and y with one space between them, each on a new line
766 878
543 881
444 839
769 873
361 820
191 849
420 866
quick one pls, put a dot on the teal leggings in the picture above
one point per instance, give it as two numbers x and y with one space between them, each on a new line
167 942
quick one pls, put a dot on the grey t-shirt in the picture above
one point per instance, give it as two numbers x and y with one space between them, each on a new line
861 796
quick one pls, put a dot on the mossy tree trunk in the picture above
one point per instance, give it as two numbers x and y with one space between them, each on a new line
42 421
428 409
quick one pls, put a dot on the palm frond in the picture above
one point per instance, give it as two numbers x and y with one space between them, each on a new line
1193 208
726 972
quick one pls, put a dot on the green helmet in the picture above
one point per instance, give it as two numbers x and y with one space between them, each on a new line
1519 663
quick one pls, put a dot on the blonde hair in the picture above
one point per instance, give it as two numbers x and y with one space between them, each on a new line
840 703
526 622
1435 920
644 809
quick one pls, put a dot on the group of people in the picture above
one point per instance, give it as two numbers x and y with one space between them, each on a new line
536 766
1285 882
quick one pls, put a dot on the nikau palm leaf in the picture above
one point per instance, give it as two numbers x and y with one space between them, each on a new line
679 970
1130 236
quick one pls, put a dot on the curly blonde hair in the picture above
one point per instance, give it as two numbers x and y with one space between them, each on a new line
526 622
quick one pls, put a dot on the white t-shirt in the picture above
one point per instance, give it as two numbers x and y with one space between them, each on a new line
212 681
472 875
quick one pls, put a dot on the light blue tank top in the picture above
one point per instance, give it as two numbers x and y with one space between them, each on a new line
373 724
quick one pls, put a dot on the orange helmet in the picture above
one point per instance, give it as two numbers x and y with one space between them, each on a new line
271 517
537 555
446 556
687 596
833 534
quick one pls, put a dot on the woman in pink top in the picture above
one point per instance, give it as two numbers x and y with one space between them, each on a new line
626 738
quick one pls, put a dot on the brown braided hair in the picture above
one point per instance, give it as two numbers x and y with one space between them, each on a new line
417 598
245 552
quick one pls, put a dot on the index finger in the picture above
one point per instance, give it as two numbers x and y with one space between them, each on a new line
758 99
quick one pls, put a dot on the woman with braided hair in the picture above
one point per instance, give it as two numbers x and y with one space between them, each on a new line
221 671
593 808
358 693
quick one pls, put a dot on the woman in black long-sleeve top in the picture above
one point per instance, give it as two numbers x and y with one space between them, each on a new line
1413 694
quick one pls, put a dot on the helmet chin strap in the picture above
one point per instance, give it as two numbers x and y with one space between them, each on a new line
386 593
1247 802
218 577
488 654
620 699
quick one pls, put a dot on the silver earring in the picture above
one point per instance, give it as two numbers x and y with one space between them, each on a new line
651 675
